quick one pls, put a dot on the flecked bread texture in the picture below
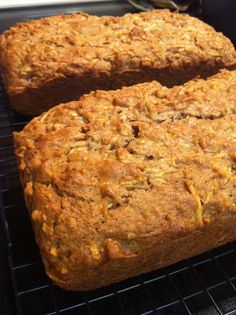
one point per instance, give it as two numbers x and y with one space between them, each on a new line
52 60
124 182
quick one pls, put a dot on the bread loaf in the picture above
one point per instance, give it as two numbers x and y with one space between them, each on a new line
128 181
56 59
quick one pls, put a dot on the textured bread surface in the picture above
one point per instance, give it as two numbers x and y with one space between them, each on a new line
56 59
124 182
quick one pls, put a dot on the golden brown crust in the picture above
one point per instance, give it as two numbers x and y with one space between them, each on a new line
123 182
52 60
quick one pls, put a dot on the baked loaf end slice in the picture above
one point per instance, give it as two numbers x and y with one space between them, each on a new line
53 60
124 182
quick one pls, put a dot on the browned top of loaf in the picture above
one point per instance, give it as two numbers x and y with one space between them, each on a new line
106 176
34 52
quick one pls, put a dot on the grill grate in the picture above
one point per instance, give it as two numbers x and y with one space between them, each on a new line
202 285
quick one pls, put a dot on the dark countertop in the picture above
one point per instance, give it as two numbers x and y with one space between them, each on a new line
7 301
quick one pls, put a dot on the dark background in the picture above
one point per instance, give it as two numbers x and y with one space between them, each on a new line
222 15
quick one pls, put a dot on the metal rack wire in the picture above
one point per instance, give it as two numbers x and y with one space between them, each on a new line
202 285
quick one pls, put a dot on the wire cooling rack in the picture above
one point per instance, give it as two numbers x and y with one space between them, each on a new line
202 285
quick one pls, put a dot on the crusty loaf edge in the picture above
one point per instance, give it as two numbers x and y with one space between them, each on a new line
154 253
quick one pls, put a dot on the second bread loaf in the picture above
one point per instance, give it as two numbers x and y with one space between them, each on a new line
53 60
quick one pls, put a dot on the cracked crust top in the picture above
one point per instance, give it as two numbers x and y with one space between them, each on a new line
35 52
110 175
